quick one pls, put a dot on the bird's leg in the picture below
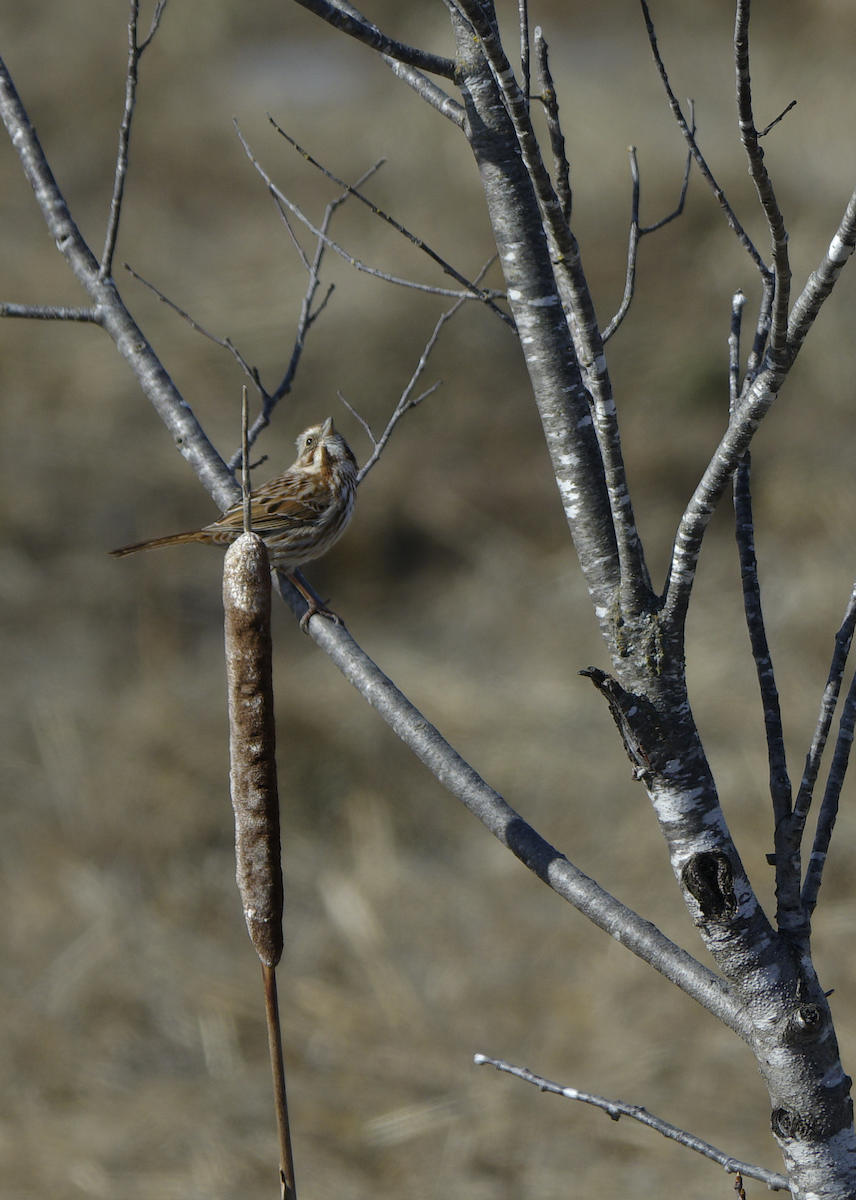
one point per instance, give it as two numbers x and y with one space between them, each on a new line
316 606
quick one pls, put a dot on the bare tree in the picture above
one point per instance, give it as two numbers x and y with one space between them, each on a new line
765 989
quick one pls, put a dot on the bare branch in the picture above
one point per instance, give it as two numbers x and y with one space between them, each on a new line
135 53
478 294
50 312
787 872
407 400
130 341
636 593
428 91
822 280
282 200
759 392
637 232
737 302
225 343
523 24
763 132
616 1109
561 167
458 777
689 136
347 19
829 806
829 700
761 179
735 442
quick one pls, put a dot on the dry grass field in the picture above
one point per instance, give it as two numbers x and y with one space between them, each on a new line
133 1056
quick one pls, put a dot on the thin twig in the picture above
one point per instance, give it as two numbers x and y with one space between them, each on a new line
689 136
399 228
523 23
616 1109
763 184
135 53
225 343
407 400
637 232
829 805
245 462
281 199
763 132
829 700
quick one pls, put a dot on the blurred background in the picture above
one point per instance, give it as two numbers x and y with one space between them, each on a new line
133 1058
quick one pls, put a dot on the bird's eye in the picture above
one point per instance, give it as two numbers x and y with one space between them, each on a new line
310 442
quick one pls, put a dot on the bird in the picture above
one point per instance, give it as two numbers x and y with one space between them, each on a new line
298 515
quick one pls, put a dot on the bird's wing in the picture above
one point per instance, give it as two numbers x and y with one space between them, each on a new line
271 509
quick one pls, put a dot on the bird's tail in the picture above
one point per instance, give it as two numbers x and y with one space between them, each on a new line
175 539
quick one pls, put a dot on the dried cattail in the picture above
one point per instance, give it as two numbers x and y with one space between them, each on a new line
246 601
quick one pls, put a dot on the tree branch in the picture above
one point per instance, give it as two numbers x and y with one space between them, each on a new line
477 292
51 312
689 136
822 280
135 53
113 316
749 136
552 867
829 806
636 594
561 167
787 872
616 1109
637 232
282 200
347 19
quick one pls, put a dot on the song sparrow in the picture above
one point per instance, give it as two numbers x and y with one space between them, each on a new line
298 515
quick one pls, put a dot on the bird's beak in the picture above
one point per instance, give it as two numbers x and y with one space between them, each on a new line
328 428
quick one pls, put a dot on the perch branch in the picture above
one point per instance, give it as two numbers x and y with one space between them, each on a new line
552 867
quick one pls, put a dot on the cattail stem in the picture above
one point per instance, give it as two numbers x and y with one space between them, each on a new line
286 1162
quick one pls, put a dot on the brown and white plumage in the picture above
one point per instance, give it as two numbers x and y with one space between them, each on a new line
298 515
